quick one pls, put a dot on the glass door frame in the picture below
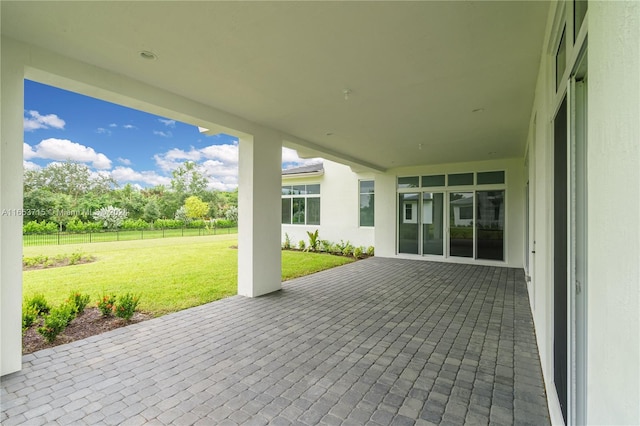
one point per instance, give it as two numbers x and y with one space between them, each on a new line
446 191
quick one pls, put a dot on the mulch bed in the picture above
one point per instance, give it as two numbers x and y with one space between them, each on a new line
89 323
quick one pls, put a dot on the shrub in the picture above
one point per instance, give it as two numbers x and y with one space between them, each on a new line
313 241
43 227
370 251
224 223
56 321
301 244
78 301
126 306
39 303
106 304
199 223
111 217
168 224
347 250
287 242
29 316
357 252
137 224
325 245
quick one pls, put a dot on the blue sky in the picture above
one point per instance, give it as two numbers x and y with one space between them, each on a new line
131 146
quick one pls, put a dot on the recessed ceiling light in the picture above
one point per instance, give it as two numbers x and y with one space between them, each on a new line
147 54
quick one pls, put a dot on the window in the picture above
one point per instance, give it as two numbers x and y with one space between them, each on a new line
409 182
460 179
435 180
561 59
301 204
487 178
367 189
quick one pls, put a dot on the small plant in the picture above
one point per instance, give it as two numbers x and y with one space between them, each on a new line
74 258
39 303
56 321
347 250
325 245
106 304
287 242
370 251
126 306
313 241
357 252
29 316
336 249
301 245
78 301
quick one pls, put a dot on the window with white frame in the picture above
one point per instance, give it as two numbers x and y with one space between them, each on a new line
367 202
301 204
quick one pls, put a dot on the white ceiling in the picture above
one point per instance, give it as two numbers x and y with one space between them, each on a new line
416 70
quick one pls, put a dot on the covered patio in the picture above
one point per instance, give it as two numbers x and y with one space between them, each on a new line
380 341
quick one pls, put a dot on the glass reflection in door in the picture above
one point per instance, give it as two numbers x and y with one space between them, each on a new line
408 228
432 223
490 225
461 224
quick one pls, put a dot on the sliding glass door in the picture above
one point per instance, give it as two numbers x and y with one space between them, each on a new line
490 225
461 224
408 223
433 223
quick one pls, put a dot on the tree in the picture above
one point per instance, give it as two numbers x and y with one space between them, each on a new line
195 207
188 179
181 215
231 214
151 211
71 178
111 217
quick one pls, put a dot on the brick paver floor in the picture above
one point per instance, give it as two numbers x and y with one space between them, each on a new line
377 342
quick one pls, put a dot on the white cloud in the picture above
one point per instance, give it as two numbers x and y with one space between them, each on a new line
219 163
113 125
129 126
28 165
168 123
102 130
291 159
34 121
163 134
224 153
63 150
127 174
179 154
124 161
27 151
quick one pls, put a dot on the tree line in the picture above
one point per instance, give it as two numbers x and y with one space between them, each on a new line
73 197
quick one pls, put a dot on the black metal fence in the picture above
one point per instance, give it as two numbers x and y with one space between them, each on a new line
59 238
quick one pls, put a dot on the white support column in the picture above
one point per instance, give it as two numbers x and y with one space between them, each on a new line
259 208
11 140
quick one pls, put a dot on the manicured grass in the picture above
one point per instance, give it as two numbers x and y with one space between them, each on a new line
169 274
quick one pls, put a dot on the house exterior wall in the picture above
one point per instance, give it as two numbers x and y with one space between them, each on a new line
386 210
339 207
613 212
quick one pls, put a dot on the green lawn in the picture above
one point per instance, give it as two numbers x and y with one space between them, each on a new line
169 274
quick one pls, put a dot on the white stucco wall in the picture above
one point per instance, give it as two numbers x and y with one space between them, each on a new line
386 202
339 207
11 139
614 213
613 193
